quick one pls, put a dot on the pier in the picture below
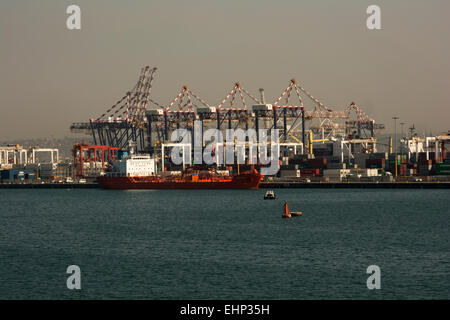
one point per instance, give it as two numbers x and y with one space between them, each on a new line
263 185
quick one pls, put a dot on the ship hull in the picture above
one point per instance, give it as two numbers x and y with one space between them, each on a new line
243 181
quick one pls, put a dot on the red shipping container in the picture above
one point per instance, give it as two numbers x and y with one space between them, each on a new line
309 172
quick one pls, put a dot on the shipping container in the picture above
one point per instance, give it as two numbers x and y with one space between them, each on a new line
11 175
318 163
333 165
309 172
379 155
290 173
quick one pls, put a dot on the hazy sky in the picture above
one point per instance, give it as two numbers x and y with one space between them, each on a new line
51 76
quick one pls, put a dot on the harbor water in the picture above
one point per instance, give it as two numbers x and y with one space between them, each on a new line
227 244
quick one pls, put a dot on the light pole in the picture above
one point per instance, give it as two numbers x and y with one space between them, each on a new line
395 134
395 144
402 137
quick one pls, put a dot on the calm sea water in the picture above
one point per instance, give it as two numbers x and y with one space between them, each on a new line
224 244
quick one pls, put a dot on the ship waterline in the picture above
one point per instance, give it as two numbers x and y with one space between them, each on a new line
246 180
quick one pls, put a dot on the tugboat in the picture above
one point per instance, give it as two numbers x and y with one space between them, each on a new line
270 195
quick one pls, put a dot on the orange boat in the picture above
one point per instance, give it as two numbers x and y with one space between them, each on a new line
286 213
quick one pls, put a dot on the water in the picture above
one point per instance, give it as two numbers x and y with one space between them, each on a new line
224 244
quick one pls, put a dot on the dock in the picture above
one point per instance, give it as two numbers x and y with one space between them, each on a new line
263 185
49 186
359 185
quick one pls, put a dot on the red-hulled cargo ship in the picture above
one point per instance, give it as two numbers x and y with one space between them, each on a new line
138 172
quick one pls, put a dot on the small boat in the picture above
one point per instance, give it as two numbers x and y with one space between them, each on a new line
286 214
270 195
296 214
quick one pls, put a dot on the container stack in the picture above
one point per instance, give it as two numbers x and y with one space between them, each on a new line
443 168
336 175
376 163
47 170
309 172
425 167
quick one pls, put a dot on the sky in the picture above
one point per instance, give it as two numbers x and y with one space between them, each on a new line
51 77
